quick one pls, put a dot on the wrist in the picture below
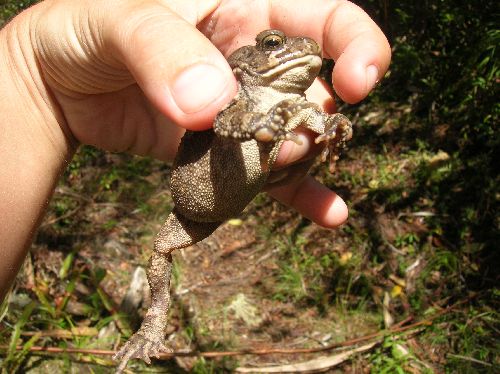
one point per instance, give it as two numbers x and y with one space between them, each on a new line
34 146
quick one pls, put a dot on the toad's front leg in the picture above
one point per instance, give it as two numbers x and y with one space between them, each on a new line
338 130
333 129
239 123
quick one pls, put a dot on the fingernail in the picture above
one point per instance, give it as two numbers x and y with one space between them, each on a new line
198 86
371 77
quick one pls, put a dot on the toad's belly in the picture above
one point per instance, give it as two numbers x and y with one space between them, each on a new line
214 178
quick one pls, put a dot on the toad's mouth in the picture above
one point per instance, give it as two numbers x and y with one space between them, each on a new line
311 62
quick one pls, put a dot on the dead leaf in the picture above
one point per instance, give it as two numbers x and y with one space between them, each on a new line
313 366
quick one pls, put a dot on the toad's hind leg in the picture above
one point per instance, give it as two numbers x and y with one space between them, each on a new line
176 232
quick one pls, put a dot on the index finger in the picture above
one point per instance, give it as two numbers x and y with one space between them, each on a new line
347 34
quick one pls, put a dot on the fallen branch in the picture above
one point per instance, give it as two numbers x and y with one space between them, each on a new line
241 352
396 329
64 334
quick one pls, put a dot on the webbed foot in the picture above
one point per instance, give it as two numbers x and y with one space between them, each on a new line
337 133
138 346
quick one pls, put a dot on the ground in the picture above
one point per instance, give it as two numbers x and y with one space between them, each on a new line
267 279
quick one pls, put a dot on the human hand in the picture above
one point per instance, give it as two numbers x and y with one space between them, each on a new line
121 75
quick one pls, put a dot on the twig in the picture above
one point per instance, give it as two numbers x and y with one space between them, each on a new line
64 216
471 359
403 322
69 192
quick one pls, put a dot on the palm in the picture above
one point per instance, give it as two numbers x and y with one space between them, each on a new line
122 119
119 121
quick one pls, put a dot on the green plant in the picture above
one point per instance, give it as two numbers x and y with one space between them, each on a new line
393 356
15 358
9 8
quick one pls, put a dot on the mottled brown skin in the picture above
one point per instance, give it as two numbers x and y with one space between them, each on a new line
219 171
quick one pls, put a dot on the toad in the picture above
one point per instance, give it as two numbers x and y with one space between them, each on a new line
217 172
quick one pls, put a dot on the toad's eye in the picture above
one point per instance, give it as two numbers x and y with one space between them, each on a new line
272 42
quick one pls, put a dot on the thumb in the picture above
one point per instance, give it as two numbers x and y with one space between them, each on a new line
179 70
